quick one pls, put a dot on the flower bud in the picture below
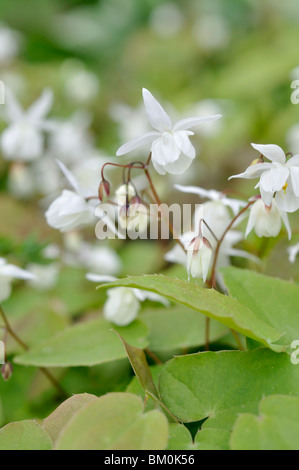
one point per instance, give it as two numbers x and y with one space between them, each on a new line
125 193
6 371
199 257
104 190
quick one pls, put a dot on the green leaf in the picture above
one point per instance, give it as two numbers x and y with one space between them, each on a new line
211 303
85 344
178 327
221 385
25 435
274 301
276 427
142 371
207 439
63 414
115 421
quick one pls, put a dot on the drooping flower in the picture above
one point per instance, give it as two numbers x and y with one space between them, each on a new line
217 217
199 257
267 221
9 272
124 303
70 210
23 140
279 179
172 151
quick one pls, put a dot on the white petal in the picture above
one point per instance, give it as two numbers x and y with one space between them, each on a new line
180 166
141 141
5 288
14 110
294 170
267 197
286 200
157 116
294 161
253 171
183 142
251 222
69 176
143 295
15 272
272 152
165 149
100 278
41 107
274 179
286 222
185 124
176 255
243 254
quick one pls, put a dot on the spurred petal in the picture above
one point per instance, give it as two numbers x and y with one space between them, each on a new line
41 107
188 123
179 166
157 116
272 152
141 141
286 199
286 222
165 149
267 197
274 179
183 142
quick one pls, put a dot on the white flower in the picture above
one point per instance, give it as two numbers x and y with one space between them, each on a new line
199 257
213 195
20 180
71 210
267 221
293 252
24 140
70 140
98 259
280 178
123 303
172 151
9 44
46 276
9 272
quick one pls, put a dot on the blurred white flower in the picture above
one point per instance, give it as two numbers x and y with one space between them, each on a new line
167 20
172 151
292 138
9 272
123 303
132 121
293 252
125 193
81 85
87 173
204 108
98 259
133 218
70 140
280 178
267 221
20 180
71 210
10 41
46 276
23 139
234 204
211 32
